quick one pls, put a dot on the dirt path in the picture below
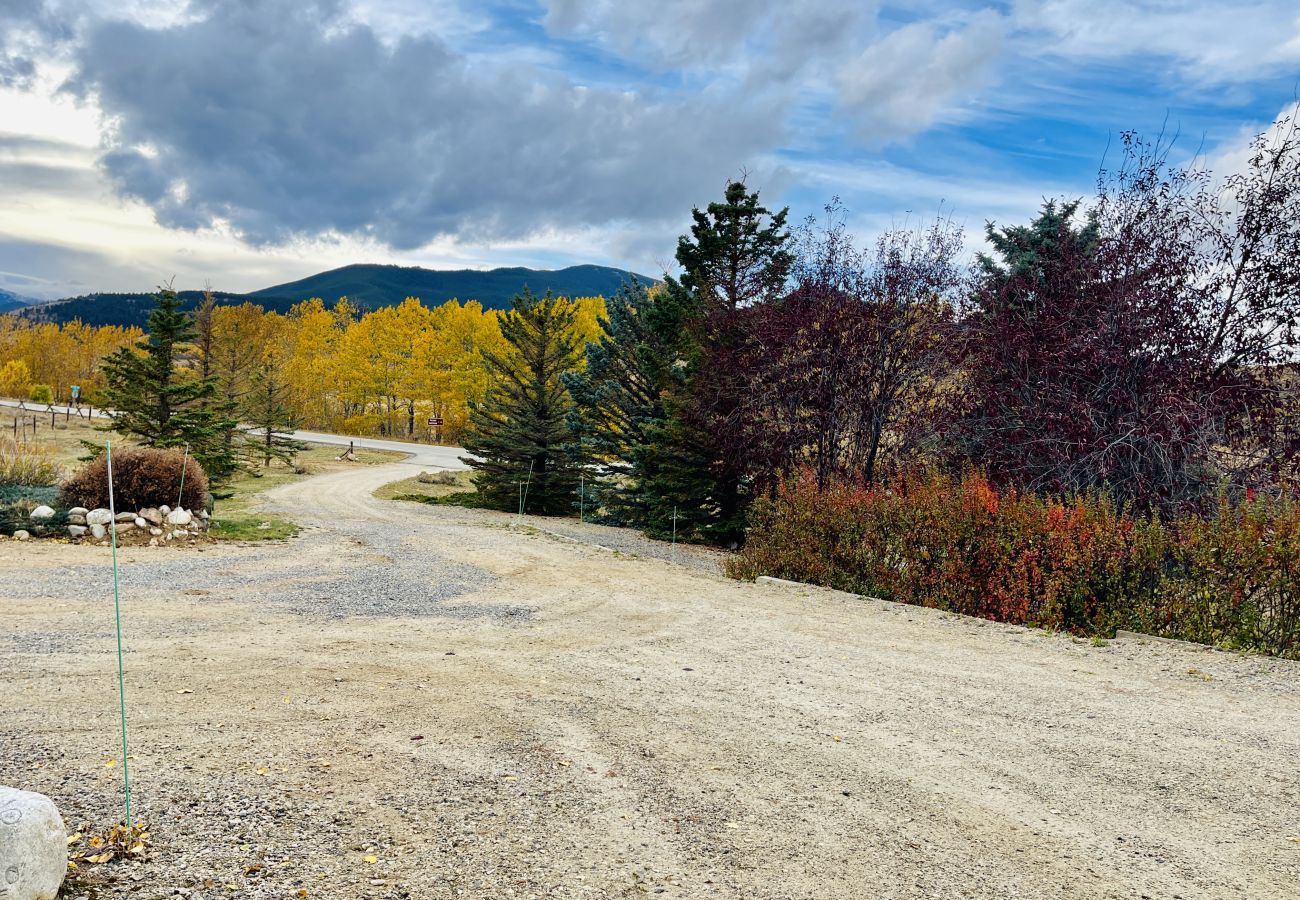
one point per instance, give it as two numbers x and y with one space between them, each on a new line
492 712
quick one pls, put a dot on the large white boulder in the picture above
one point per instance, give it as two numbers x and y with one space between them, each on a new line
98 532
78 511
179 517
99 517
22 535
152 515
41 513
33 846
126 517
77 531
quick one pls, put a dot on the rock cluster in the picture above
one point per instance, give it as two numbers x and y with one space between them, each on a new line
160 523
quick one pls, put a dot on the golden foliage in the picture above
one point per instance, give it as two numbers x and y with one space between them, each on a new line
383 372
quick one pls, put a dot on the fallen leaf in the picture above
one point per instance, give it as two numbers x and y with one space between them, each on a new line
185 691
110 764
73 838
262 771
371 859
566 763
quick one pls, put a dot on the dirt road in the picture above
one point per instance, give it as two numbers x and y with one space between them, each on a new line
488 711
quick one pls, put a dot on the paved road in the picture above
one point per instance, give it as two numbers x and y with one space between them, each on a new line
426 455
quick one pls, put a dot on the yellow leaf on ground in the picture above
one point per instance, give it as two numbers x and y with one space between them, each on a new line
372 859
73 838
262 771
185 691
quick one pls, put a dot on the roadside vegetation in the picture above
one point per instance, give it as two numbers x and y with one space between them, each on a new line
31 474
1094 425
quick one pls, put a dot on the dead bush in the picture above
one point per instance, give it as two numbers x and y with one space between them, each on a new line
142 478
448 478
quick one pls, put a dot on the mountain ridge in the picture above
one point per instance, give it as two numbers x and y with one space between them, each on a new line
366 285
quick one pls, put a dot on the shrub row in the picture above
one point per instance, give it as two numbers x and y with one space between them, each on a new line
1230 578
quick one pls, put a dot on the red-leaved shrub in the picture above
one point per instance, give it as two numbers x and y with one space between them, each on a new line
957 544
142 478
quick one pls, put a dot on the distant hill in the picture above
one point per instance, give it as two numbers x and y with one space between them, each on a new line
372 286
367 286
131 309
9 301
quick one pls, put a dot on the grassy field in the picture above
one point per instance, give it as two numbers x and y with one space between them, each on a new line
233 519
409 488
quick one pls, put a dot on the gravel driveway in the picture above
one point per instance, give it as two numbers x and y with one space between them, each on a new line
488 710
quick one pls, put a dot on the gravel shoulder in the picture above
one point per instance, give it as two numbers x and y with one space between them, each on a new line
486 709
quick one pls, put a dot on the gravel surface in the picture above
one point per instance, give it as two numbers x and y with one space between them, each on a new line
421 702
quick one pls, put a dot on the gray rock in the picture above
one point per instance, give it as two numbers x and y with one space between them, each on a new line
179 517
76 518
77 530
123 527
126 517
33 846
203 514
78 511
153 542
140 522
99 517
152 516
98 531
41 513
164 509
155 531
21 535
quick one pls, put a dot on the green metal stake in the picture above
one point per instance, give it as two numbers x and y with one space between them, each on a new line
582 494
117 609
181 492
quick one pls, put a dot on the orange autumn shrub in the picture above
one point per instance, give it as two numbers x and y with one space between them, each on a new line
1081 565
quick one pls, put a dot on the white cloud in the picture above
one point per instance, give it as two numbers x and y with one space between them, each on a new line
919 74
1211 41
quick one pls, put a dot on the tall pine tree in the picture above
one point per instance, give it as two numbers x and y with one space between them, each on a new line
616 401
518 433
266 405
696 464
154 400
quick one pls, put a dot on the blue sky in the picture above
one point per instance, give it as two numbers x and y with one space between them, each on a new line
240 143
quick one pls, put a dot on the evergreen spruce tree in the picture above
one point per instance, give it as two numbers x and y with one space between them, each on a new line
152 399
266 409
735 256
616 401
519 433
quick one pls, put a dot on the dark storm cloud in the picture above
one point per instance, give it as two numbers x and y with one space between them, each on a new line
284 120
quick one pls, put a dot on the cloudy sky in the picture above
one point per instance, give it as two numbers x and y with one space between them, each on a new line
241 143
